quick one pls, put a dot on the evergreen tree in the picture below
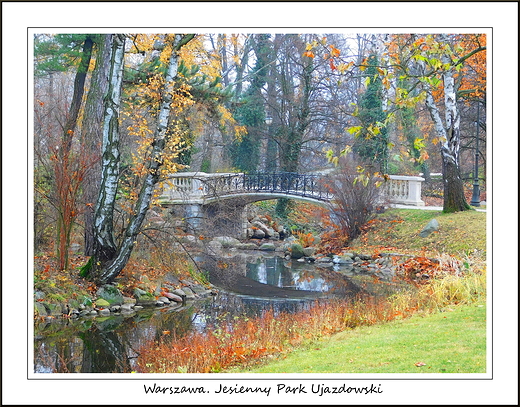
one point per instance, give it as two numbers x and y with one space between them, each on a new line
372 143
245 152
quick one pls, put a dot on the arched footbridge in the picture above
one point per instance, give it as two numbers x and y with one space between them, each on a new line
214 203
198 188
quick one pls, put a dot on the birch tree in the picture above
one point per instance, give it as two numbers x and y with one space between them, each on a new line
433 66
109 259
441 60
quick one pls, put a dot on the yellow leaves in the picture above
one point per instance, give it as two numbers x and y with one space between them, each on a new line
240 132
311 45
355 130
334 52
342 67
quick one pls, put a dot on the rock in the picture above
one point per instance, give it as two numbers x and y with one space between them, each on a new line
145 299
111 294
263 227
324 260
39 295
227 241
364 257
296 250
128 300
164 299
127 307
115 308
343 260
267 247
173 297
180 293
104 312
198 289
40 309
247 246
431 227
139 291
258 233
309 251
102 303
190 294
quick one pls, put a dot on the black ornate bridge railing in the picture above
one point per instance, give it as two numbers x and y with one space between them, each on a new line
304 185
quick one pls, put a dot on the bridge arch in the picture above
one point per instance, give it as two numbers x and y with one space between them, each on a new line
251 197
201 194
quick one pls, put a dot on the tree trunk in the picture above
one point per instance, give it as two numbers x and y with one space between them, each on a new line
92 135
77 97
105 248
111 271
454 200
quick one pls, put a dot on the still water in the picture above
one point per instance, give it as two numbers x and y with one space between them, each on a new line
249 284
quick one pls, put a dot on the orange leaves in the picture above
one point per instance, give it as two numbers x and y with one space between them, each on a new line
419 269
305 239
309 54
334 52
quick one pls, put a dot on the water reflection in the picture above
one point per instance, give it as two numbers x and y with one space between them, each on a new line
249 284
278 272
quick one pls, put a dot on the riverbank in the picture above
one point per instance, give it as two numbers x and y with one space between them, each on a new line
450 341
443 279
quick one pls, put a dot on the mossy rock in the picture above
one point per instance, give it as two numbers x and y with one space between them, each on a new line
267 247
145 300
100 302
40 309
111 294
296 250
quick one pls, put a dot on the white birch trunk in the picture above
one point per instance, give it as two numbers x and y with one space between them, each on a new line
449 134
155 161
105 246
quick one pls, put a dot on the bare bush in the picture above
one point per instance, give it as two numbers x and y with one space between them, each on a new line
356 200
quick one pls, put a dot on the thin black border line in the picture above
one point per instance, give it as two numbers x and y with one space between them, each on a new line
267 378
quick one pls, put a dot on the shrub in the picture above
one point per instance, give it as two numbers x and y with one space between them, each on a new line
357 198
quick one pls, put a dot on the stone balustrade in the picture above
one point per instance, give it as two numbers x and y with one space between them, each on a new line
194 187
404 190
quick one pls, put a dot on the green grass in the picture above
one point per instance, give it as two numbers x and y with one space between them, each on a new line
459 233
453 341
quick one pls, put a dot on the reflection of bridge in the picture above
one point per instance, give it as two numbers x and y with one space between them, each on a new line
202 193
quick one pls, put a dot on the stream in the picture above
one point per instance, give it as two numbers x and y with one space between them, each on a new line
248 283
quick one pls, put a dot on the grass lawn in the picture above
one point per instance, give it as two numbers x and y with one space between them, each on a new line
459 233
453 341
